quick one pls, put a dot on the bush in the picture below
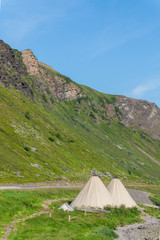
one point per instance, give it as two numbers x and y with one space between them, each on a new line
52 100
58 135
123 211
48 91
92 115
27 115
104 232
44 98
27 148
155 199
51 139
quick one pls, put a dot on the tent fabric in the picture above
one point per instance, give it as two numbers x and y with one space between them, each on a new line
66 207
120 194
93 195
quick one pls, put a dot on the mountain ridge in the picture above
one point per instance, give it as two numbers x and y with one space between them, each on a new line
63 130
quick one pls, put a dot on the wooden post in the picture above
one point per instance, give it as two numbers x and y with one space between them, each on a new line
50 215
85 213
69 218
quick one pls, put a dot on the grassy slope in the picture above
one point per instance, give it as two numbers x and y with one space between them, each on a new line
69 145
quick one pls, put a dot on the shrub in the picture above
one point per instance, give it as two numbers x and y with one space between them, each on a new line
92 115
105 232
27 115
58 135
70 140
48 91
27 148
44 98
117 110
52 100
51 139
123 211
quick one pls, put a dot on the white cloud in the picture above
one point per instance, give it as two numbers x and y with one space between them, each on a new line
140 90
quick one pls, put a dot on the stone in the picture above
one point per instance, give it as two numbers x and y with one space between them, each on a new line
33 149
139 114
12 69
46 80
35 165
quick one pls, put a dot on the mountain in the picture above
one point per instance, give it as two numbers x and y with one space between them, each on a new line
52 128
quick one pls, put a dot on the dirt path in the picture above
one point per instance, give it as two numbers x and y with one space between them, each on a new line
147 154
12 225
149 230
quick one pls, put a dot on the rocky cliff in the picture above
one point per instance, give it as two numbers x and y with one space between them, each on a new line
15 67
12 69
59 86
140 114
24 72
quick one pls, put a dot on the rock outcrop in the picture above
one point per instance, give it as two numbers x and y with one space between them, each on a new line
58 85
12 69
140 114
30 62
15 67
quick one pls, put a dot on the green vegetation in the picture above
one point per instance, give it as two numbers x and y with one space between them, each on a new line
154 193
44 98
48 139
65 135
20 204
27 148
27 115
51 139
71 138
155 212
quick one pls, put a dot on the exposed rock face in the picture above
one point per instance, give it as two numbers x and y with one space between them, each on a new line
49 79
12 69
141 114
30 62
110 110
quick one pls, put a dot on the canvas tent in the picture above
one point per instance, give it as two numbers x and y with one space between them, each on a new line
93 195
66 207
120 194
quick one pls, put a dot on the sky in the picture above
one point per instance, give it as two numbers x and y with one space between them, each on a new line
112 46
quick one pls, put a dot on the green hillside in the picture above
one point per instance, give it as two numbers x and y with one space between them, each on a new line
53 139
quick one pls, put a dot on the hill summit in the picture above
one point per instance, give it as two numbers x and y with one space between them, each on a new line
52 128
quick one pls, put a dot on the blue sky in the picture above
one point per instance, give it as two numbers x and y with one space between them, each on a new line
110 45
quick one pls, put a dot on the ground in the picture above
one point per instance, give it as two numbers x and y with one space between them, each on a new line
34 215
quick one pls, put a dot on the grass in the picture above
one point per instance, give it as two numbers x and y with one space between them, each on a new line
155 212
154 194
19 204
71 138
67 138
